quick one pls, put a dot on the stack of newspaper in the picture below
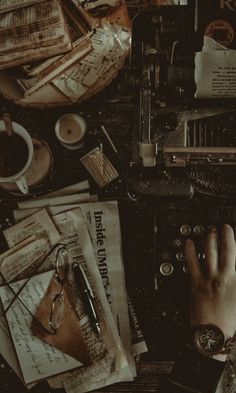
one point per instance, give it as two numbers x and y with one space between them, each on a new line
44 37
57 42
91 232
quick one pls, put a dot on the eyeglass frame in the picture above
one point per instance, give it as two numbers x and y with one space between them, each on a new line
60 246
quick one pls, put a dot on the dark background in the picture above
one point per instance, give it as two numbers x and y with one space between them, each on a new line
150 224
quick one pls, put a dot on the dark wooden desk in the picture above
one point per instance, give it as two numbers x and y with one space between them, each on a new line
67 169
159 316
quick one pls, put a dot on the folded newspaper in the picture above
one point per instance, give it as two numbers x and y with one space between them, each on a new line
91 233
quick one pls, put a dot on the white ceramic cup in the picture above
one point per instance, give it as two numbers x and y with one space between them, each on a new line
18 177
70 130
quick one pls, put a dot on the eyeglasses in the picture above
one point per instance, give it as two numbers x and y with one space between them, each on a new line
57 307
58 302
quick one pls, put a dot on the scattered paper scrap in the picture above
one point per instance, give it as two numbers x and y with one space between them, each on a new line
110 45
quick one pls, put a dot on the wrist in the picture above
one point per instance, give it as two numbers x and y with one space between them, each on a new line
220 357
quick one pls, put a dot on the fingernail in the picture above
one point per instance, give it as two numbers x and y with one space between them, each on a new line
212 230
188 242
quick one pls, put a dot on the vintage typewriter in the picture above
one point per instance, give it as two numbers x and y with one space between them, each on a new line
182 163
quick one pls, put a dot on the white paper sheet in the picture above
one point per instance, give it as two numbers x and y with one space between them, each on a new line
215 71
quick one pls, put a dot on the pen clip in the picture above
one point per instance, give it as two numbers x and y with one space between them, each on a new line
85 279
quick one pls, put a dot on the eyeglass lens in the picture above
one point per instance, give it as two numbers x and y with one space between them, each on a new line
57 311
58 303
61 264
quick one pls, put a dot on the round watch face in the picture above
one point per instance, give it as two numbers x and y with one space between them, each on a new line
209 340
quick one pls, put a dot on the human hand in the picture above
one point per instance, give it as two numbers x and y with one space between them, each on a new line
213 295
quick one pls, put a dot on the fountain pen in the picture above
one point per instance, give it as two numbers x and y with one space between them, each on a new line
87 296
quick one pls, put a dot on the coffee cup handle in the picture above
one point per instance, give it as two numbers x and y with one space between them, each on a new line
22 185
